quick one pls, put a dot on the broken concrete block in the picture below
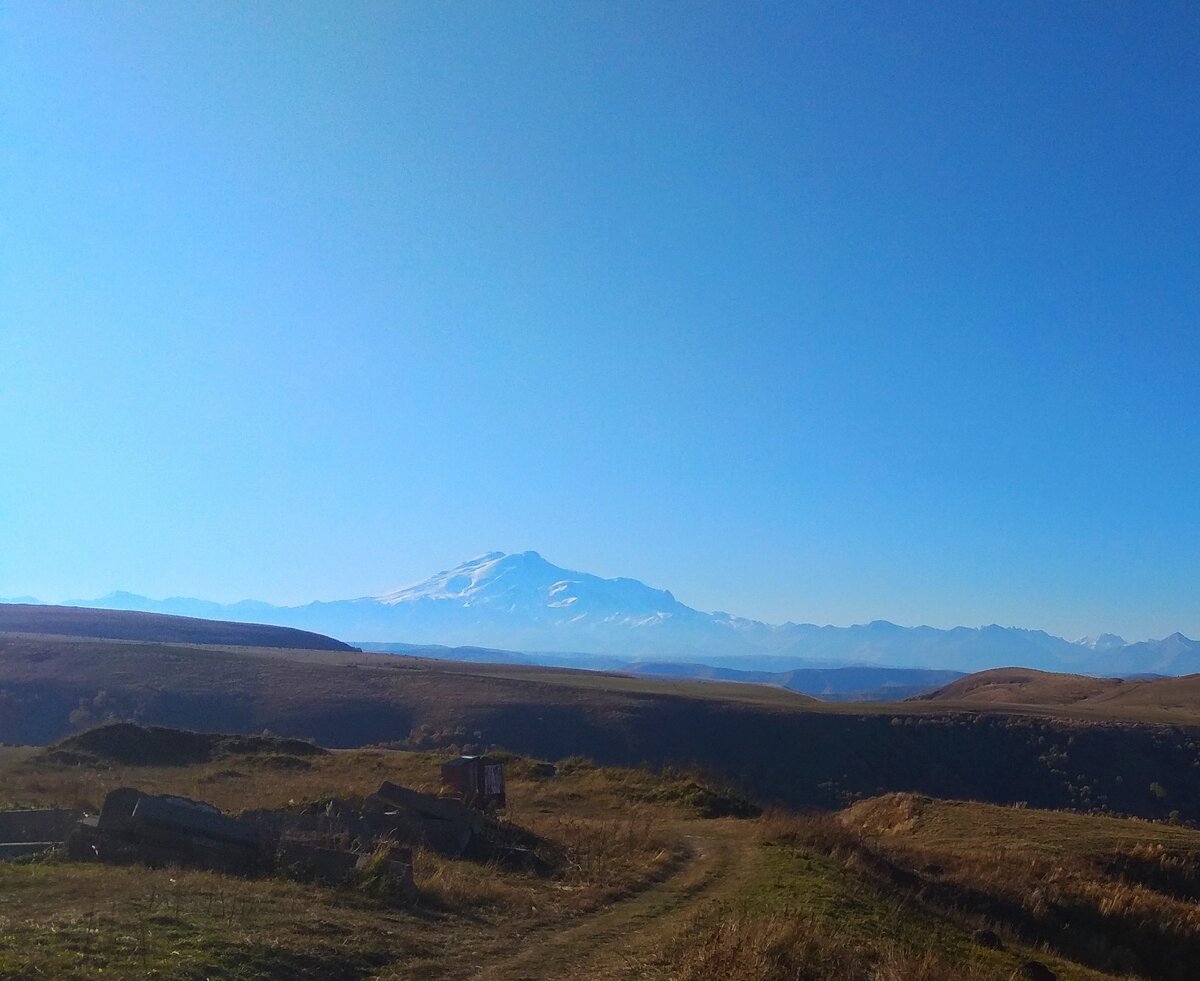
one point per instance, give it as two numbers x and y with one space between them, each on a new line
441 808
387 872
166 830
117 812
44 824
20 849
184 816
445 825
313 863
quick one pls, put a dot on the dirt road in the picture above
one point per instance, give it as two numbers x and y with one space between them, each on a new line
617 942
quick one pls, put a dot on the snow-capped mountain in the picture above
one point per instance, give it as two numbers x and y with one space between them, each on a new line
1103 642
528 585
522 602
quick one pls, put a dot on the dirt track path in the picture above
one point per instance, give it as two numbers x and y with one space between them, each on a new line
616 942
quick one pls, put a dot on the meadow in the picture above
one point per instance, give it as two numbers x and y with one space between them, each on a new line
644 882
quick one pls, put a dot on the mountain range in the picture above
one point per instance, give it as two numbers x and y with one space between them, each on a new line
523 602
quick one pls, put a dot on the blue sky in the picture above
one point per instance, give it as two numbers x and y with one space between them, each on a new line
821 312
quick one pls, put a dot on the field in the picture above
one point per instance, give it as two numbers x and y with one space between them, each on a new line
646 886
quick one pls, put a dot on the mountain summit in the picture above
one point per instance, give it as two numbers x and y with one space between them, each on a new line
522 602
526 584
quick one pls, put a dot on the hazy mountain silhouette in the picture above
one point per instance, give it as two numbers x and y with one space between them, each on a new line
523 602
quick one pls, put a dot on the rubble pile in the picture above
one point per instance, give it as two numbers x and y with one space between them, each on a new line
368 842
167 830
28 832
332 842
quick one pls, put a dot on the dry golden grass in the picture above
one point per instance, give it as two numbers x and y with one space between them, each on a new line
890 889
234 783
737 945
1117 895
597 843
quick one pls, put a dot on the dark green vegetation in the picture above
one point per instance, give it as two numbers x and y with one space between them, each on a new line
125 742
73 621
774 745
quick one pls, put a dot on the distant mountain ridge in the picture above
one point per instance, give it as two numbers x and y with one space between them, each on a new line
522 602
846 684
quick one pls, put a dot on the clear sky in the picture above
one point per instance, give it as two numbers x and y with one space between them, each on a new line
811 311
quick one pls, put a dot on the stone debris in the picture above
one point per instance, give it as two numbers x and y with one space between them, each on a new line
332 842
988 938
313 863
393 813
166 830
446 826
1034 971
388 871
20 849
47 824
30 832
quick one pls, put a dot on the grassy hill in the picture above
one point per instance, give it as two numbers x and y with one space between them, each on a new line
1154 699
1023 686
642 885
72 621
778 745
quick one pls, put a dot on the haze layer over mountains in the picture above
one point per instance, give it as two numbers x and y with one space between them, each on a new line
522 602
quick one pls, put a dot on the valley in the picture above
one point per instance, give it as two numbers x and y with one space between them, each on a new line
839 359
1009 821
778 745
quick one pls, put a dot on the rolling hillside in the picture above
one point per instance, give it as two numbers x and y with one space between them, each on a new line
71 621
1168 699
1023 686
776 744
830 684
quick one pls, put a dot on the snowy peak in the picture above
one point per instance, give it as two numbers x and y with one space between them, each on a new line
480 574
522 602
524 582
1104 642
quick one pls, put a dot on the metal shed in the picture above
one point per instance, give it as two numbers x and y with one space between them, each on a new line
477 781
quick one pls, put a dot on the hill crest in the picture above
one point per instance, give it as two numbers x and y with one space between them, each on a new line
105 624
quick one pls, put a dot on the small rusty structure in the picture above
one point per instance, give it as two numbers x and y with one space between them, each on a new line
478 781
